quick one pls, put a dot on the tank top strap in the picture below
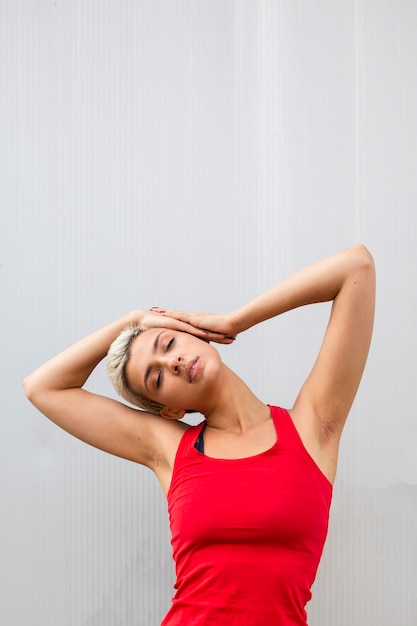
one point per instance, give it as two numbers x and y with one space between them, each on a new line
287 433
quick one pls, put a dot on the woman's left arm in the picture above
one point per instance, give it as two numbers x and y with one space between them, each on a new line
348 279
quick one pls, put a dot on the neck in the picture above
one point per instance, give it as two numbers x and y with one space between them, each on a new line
236 408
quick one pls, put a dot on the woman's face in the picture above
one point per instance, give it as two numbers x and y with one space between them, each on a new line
175 369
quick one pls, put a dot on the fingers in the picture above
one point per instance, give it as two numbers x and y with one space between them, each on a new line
202 333
207 335
219 337
183 316
190 323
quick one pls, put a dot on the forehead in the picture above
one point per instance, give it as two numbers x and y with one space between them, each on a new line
140 352
143 344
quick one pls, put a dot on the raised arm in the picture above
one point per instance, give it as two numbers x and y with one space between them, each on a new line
348 279
56 389
334 380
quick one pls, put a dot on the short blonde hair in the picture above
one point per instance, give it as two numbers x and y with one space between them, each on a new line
117 360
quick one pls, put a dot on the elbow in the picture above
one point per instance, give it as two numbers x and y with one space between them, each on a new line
29 388
360 273
363 255
362 260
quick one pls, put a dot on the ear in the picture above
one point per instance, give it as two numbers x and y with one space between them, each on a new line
171 413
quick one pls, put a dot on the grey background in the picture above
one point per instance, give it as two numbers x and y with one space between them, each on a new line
190 154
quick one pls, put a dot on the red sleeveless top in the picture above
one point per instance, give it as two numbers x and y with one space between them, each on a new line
247 534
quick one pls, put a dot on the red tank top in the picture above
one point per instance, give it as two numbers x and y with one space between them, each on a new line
247 534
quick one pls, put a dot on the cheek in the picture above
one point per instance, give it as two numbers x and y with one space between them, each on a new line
181 395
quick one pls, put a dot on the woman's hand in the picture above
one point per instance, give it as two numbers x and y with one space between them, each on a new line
209 326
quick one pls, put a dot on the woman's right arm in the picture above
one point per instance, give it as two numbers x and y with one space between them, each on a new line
56 389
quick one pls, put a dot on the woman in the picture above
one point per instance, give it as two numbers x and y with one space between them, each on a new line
249 489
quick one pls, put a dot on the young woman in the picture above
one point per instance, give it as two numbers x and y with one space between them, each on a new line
249 489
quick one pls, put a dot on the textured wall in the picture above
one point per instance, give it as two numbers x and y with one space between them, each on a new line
190 154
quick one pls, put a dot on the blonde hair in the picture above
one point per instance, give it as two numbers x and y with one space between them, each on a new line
117 360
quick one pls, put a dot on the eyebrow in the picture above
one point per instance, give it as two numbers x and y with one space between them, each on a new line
149 368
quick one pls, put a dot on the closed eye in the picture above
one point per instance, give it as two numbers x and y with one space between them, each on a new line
169 344
159 375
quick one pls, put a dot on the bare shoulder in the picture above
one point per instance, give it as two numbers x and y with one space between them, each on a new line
143 437
130 433
165 439
152 441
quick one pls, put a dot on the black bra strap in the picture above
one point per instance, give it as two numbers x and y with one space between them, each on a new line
199 443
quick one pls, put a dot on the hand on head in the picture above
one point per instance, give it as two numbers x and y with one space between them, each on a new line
208 326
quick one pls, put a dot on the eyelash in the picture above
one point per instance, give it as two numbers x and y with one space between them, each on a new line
168 347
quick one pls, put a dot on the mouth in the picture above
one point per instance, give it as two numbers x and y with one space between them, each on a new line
191 369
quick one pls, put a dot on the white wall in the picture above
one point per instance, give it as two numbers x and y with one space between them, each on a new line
190 154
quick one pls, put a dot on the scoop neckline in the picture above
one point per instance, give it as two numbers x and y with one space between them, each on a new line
240 458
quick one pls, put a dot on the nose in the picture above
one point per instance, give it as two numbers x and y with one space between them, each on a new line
173 364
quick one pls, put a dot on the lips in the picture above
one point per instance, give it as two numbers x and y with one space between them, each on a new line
191 369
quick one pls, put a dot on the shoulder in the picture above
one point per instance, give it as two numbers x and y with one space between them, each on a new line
166 436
